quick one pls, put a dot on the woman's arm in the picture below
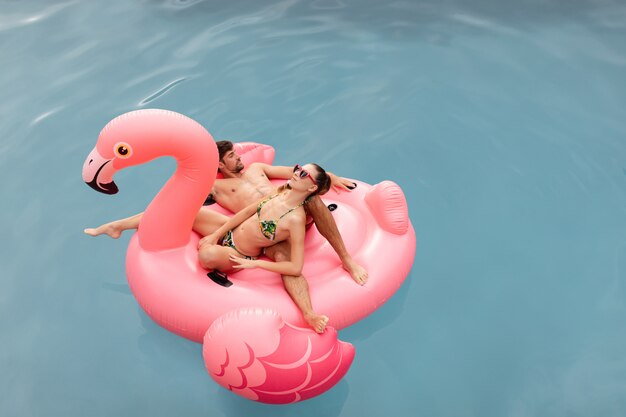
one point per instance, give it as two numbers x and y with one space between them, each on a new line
284 173
292 267
277 172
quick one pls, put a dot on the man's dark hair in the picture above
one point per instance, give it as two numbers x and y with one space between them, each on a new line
223 147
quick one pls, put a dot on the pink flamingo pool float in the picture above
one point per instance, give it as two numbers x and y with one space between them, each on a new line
255 341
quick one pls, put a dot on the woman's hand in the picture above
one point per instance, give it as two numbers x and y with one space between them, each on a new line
208 240
242 263
340 183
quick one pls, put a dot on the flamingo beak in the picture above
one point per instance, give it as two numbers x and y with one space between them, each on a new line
98 173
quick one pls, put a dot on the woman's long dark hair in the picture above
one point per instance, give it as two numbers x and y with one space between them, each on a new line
322 179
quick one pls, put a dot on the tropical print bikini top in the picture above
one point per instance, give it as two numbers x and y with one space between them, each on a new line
268 227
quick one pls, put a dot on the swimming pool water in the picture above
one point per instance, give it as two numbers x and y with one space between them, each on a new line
504 123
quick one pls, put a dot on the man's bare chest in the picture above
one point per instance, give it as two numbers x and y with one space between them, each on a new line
242 190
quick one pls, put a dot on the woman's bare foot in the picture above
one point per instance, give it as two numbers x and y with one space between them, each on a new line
317 322
358 273
112 229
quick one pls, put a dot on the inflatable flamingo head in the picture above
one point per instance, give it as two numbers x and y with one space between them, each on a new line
140 136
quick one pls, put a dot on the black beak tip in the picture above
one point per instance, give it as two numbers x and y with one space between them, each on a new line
110 188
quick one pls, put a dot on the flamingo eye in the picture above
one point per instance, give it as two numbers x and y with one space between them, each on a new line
123 150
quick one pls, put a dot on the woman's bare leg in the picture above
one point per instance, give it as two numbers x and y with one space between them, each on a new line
216 257
298 289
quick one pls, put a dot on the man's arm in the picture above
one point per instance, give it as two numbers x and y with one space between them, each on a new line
210 199
327 227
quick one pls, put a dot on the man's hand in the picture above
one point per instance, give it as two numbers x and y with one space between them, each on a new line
242 263
340 183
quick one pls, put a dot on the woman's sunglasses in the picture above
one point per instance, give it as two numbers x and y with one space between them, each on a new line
303 173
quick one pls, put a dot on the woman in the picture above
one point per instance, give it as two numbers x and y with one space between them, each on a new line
274 219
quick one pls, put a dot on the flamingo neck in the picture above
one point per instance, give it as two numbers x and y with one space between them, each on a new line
168 220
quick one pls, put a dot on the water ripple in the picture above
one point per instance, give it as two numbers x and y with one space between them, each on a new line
157 72
182 4
320 25
11 21
162 91
209 38
613 18
480 23
80 50
328 5
45 115
306 63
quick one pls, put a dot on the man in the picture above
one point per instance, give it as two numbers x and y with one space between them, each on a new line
241 187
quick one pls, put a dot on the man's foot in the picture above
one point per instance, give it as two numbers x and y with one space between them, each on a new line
317 322
112 229
357 272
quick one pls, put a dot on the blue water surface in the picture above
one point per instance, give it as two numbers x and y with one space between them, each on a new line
503 121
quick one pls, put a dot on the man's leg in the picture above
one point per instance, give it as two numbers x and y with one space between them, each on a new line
206 221
327 227
115 228
298 289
